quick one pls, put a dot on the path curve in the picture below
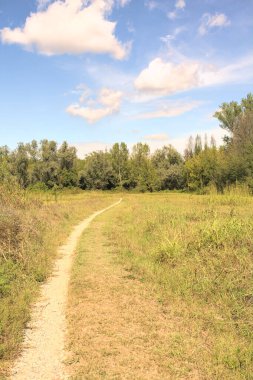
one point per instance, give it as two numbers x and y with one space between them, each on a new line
43 354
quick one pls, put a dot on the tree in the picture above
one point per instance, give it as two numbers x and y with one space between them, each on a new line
98 172
168 164
240 153
198 145
203 169
238 120
66 156
213 142
49 165
228 116
188 152
67 165
142 175
20 164
119 156
247 103
34 170
5 165
166 156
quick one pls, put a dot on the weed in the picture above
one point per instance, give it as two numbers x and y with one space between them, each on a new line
197 251
32 226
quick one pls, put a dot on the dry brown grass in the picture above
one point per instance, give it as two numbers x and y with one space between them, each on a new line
118 329
166 291
197 252
30 232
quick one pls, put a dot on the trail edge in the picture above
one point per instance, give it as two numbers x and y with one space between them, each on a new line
43 349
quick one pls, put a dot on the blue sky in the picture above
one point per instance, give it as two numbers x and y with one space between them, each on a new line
104 71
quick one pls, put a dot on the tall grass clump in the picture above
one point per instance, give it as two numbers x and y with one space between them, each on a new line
30 231
197 251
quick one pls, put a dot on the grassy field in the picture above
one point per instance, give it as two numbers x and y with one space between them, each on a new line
197 253
172 270
32 226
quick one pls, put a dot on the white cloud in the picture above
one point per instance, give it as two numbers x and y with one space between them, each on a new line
123 3
110 98
169 37
180 142
155 141
169 110
165 78
151 4
92 115
108 103
68 27
212 21
157 137
180 4
84 148
172 15
166 39
218 20
83 91
239 71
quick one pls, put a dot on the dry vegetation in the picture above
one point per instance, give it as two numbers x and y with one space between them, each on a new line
32 226
165 291
117 329
197 251
161 286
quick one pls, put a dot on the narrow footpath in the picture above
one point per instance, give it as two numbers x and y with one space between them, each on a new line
43 350
117 328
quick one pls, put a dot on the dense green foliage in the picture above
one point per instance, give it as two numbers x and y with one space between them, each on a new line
44 165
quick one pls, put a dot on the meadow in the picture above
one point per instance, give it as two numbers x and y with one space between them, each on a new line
192 253
196 251
32 226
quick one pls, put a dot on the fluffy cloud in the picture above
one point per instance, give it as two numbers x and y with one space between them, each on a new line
180 4
110 98
68 27
172 15
169 110
240 71
157 137
151 4
155 141
84 148
107 104
165 78
180 142
212 21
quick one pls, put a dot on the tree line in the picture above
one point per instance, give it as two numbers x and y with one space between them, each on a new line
45 165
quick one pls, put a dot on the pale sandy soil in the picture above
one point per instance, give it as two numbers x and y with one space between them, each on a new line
43 351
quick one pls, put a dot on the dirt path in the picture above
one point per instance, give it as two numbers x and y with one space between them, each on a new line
117 328
43 354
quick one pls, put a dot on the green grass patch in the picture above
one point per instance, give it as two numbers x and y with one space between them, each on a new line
197 252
